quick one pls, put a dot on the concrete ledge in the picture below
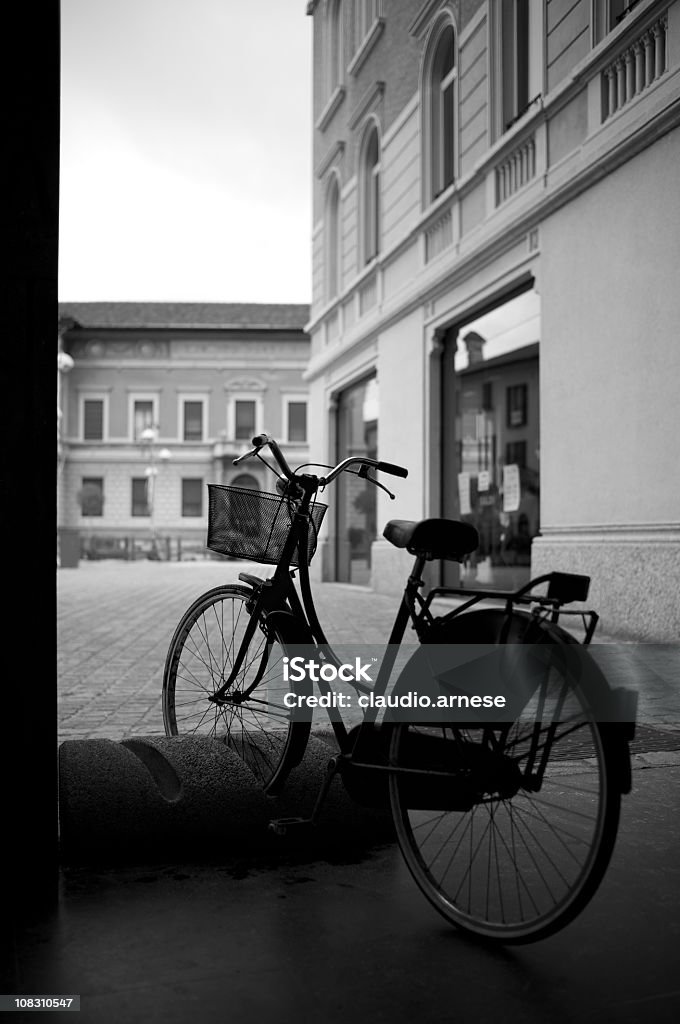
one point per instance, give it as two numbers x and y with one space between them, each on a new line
157 798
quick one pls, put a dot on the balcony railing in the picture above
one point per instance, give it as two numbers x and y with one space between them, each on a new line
368 294
516 170
439 235
634 69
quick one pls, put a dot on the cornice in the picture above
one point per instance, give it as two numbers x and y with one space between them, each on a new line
370 98
326 115
367 45
333 154
422 20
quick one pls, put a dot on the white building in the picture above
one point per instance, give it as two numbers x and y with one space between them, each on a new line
160 399
511 169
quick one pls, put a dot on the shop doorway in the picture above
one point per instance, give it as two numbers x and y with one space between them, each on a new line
491 450
356 507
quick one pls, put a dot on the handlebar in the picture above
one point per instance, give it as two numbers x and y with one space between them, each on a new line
262 440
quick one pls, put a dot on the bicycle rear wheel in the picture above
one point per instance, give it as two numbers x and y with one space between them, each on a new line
259 727
511 834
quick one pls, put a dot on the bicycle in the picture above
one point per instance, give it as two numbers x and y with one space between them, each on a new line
506 826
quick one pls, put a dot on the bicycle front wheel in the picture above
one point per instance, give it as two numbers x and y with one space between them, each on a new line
508 829
259 727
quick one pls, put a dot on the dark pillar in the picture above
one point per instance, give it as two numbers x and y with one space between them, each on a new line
28 470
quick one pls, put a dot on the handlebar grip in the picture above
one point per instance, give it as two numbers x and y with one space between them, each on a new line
387 467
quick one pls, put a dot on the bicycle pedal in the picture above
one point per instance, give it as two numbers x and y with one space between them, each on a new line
281 825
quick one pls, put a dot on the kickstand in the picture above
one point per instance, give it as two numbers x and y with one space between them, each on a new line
280 826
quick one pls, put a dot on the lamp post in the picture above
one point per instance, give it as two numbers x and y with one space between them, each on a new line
149 441
64 365
68 541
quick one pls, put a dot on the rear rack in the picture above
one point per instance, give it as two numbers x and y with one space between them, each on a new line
562 589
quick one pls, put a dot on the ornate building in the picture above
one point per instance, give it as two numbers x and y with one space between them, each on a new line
158 400
509 170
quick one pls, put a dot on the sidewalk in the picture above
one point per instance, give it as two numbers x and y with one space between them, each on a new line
116 620
345 936
338 928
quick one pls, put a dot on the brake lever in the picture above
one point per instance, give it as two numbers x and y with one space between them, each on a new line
378 484
246 455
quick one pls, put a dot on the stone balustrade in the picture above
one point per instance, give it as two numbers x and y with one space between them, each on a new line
634 69
516 169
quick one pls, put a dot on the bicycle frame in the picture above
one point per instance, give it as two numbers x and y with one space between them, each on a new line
278 593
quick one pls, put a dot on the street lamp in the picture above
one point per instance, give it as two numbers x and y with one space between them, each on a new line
149 440
65 364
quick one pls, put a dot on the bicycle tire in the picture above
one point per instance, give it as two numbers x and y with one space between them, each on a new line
518 867
265 734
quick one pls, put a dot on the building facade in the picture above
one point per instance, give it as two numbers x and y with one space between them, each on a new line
512 171
156 402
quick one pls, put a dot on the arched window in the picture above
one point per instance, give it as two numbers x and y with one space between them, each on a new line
332 231
245 480
370 195
442 112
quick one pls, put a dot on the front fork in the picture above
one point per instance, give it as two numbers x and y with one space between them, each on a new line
222 695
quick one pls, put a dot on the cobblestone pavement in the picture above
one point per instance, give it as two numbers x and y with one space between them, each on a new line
116 620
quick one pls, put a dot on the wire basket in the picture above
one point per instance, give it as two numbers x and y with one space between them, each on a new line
255 525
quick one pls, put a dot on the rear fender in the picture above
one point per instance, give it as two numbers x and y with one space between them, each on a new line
614 708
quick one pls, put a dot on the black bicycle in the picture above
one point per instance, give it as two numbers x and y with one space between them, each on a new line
507 826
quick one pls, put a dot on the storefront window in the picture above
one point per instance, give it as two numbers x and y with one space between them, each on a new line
356 509
492 441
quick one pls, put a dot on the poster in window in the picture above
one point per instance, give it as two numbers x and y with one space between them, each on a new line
511 488
464 494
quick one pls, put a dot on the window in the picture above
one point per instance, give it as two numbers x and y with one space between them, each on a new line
245 419
193 420
297 422
245 405
332 239
192 497
442 112
487 396
371 195
140 496
143 416
516 454
514 47
93 419
606 16
517 405
91 497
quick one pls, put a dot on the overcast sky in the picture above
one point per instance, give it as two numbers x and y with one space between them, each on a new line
185 151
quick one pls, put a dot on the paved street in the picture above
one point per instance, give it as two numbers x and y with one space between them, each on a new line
115 623
116 620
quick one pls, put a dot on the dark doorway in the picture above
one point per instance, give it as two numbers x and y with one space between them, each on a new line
356 510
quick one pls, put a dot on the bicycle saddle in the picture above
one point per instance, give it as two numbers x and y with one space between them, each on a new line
433 538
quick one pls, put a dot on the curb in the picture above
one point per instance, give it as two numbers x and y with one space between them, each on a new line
151 798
